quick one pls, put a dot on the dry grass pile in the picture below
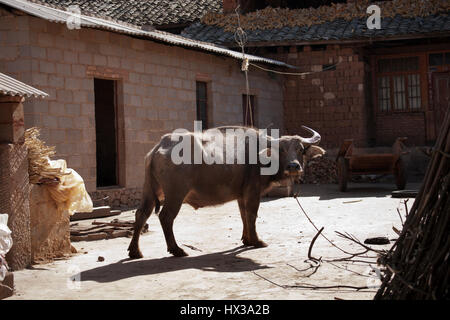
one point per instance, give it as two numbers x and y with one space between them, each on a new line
39 169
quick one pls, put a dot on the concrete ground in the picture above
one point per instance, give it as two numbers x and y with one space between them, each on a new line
218 267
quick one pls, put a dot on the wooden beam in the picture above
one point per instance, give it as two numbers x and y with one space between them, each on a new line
345 41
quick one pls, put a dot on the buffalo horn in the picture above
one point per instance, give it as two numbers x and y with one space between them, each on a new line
314 139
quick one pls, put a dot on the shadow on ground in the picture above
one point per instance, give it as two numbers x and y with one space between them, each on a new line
355 190
224 261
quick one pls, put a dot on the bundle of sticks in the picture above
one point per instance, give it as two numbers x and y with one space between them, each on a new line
39 169
417 266
275 18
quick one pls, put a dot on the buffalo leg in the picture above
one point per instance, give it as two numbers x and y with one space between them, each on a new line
245 238
142 214
252 207
167 217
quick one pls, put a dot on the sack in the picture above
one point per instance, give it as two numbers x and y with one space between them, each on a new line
5 244
70 194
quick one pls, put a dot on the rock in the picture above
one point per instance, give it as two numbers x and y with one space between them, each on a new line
377 240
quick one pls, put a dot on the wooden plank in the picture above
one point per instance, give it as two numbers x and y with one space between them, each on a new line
98 212
344 149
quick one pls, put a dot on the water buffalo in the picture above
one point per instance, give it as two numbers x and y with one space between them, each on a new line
202 184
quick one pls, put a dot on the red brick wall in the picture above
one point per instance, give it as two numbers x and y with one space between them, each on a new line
332 102
391 126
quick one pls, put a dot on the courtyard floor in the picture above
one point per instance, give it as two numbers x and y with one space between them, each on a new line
218 266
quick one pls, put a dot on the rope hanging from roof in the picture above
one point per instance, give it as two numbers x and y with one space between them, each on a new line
241 39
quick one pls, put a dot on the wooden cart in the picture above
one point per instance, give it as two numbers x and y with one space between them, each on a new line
349 164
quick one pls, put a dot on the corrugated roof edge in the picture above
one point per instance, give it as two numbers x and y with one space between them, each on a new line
13 87
61 16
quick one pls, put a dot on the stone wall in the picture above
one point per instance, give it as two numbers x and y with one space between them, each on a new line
117 198
156 91
14 185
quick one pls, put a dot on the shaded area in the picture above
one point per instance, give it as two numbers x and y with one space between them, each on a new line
355 190
224 261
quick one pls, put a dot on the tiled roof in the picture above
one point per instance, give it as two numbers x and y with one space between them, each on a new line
144 12
339 29
12 87
63 16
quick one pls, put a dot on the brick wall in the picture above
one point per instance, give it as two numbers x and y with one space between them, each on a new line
333 101
156 86
391 126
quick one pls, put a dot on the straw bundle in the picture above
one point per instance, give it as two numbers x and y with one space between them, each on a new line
39 169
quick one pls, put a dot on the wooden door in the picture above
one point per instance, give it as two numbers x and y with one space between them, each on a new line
441 97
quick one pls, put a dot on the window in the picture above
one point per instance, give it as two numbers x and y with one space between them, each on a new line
106 132
202 103
439 59
248 111
398 82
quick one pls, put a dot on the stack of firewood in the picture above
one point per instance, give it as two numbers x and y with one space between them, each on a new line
274 18
320 170
418 263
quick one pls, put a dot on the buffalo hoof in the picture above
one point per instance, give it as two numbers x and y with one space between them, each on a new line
256 244
178 252
260 244
135 254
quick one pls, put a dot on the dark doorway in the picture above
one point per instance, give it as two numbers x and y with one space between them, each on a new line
106 132
441 97
202 103
248 110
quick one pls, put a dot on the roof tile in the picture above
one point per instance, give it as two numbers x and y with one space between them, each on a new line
339 29
144 12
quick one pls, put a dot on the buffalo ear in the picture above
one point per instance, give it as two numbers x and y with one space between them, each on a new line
313 152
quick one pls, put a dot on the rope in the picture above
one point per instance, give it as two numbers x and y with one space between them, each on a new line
241 39
295 73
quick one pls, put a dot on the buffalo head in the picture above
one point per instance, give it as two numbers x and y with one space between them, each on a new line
295 151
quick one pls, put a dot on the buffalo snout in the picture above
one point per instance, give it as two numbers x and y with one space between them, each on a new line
294 168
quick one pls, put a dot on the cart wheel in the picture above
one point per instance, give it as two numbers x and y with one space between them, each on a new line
400 174
342 167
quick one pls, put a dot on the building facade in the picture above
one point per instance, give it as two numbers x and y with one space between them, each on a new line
369 85
112 96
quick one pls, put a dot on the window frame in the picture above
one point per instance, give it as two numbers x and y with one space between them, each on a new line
405 75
